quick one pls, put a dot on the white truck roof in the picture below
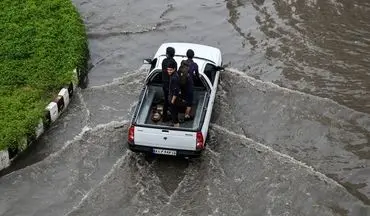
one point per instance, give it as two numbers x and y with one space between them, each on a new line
201 51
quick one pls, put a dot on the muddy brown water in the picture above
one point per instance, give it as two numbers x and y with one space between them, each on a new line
290 132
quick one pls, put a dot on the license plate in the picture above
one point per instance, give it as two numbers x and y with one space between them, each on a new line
164 152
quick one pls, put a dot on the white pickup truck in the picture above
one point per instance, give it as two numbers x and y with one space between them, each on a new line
158 137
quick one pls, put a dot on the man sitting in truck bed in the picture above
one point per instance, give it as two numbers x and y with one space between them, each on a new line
174 91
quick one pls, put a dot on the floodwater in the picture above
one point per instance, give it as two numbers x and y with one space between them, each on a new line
290 132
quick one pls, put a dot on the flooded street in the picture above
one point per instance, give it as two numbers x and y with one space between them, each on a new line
290 132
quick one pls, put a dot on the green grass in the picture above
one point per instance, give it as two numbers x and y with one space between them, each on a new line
41 42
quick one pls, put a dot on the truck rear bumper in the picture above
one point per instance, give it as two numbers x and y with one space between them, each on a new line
150 150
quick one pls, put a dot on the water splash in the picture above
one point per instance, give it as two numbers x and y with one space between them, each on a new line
260 147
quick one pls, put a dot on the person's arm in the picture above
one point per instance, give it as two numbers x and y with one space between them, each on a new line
196 71
173 99
164 66
175 64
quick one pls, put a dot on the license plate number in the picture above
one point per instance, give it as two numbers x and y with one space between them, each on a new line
164 152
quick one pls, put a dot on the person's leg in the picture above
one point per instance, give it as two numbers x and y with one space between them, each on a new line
189 104
166 104
182 93
175 116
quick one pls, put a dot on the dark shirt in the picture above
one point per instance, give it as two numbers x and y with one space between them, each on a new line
193 75
174 85
193 71
165 76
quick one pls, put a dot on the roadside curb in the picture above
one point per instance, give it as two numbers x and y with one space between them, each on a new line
51 113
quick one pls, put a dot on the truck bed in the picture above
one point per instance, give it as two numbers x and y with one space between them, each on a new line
154 97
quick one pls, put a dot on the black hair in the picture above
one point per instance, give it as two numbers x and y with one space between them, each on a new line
172 64
190 53
170 51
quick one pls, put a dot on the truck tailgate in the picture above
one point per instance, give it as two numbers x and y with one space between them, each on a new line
165 138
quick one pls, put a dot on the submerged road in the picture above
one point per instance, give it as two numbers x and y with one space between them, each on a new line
290 132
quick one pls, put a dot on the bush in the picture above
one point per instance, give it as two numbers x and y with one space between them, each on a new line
41 43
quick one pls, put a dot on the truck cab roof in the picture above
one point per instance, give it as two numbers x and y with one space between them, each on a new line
202 53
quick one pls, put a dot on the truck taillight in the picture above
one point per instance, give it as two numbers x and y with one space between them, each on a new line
131 133
200 140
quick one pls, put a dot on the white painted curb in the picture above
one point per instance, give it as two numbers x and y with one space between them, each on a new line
53 110
4 159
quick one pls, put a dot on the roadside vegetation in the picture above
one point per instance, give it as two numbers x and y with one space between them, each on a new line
41 43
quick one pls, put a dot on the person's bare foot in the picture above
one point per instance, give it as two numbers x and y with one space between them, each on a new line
188 117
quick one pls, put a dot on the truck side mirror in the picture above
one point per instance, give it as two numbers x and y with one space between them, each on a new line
220 68
147 61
